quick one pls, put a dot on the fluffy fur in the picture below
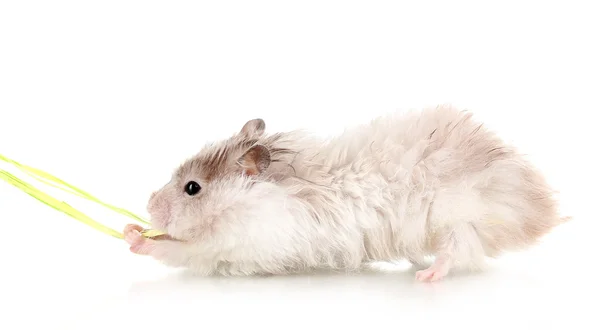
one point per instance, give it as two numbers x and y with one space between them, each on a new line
430 183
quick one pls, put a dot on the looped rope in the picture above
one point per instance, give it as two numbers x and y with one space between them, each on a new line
63 206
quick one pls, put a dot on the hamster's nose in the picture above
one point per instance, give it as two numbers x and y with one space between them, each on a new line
159 209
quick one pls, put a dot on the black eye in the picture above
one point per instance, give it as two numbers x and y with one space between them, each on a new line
192 188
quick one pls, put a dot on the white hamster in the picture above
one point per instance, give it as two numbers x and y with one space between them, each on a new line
405 185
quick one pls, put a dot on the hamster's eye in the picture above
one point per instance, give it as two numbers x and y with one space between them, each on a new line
192 188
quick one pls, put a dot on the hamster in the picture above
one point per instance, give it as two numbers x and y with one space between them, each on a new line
430 183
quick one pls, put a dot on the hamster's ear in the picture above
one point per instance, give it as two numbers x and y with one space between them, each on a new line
255 160
253 127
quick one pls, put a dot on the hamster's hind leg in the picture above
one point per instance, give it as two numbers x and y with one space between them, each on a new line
458 247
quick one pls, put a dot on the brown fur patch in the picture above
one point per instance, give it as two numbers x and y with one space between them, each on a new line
223 158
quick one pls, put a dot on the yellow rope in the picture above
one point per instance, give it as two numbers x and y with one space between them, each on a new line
63 206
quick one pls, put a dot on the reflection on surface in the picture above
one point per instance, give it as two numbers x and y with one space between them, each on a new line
383 296
391 281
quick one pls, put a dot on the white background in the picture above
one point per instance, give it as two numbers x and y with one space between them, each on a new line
112 95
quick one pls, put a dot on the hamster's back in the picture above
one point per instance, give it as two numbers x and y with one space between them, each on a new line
444 135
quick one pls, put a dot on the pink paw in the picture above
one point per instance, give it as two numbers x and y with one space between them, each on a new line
431 274
137 243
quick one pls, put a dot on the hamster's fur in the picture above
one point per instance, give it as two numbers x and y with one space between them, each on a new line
406 185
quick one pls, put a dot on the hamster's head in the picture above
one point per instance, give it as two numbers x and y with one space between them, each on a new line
222 180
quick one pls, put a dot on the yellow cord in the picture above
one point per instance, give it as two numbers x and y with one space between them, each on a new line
61 205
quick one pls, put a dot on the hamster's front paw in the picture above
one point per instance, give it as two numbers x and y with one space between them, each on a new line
137 243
